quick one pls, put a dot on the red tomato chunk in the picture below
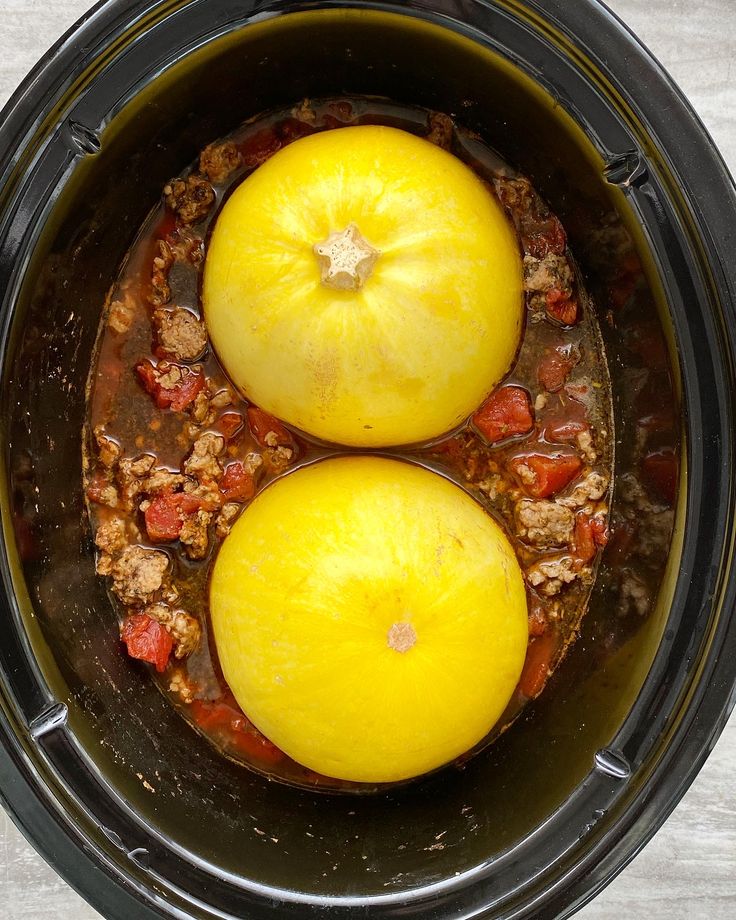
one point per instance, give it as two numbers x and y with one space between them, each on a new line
165 514
230 424
542 475
507 412
237 484
540 656
561 307
163 519
172 386
554 367
591 534
539 239
268 431
147 640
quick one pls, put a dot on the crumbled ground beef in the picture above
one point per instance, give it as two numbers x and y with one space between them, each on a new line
549 575
138 574
108 451
184 628
131 475
591 488
190 198
180 334
551 272
217 161
304 112
162 262
194 534
544 524
161 480
122 312
441 130
226 518
111 537
277 459
202 462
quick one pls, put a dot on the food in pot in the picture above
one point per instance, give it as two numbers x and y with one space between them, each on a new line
384 273
178 457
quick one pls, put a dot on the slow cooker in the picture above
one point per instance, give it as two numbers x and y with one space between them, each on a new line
132 808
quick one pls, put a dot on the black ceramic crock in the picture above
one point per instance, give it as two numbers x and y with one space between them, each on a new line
132 808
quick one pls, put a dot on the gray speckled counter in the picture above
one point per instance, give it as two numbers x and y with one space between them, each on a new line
688 872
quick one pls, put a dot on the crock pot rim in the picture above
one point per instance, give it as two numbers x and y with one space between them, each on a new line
598 28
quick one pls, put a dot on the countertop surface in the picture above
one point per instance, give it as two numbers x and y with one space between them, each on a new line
688 872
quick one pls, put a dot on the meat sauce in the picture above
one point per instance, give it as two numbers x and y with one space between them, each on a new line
174 453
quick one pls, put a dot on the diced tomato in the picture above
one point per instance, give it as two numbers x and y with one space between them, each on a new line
561 307
507 412
591 534
147 639
176 397
237 484
542 475
230 424
259 147
540 656
251 742
540 238
268 431
555 365
228 721
165 514
659 470
213 716
163 518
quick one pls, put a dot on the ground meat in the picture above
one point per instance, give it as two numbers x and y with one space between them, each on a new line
549 575
108 451
189 198
543 524
226 518
161 480
217 161
110 537
194 534
131 475
633 594
441 130
553 272
162 262
206 492
278 458
181 685
517 195
591 488
203 462
180 334
585 443
138 574
184 628
102 490
304 112
205 407
122 312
